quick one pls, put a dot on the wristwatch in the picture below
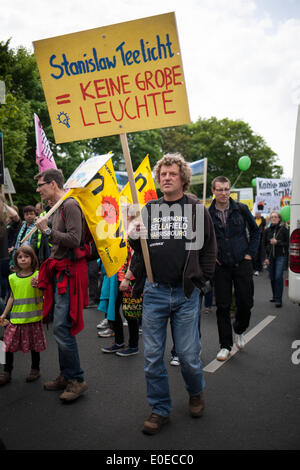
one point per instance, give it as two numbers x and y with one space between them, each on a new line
48 231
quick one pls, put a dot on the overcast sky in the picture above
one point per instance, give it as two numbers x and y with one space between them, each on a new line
241 58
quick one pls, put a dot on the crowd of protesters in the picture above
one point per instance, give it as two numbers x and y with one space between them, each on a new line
51 275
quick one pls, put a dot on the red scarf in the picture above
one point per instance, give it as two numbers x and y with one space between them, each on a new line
66 271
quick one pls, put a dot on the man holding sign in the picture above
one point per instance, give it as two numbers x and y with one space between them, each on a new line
64 279
182 248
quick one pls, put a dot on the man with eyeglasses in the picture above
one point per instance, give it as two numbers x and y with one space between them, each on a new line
238 240
64 279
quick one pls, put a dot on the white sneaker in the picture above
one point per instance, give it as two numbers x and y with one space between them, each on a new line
223 354
103 324
175 361
106 333
240 341
256 273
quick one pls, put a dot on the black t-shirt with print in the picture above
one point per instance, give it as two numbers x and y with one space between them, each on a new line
167 229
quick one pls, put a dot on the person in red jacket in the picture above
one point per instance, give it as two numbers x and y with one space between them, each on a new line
64 279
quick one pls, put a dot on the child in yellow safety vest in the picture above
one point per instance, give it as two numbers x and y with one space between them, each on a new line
25 330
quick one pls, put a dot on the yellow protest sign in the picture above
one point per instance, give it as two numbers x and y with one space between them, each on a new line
116 79
99 202
144 184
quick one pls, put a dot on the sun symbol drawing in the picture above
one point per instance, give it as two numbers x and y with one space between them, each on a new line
109 213
150 195
63 118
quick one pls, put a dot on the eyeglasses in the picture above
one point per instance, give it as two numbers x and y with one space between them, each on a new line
41 184
223 190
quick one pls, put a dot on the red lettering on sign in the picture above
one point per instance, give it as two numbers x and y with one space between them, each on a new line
83 120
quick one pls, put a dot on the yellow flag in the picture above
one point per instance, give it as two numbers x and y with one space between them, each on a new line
100 204
144 184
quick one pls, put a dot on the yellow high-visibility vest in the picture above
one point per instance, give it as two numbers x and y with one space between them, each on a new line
28 300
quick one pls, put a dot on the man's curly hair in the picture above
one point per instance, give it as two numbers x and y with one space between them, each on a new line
168 160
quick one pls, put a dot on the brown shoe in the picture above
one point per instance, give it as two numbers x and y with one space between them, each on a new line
34 374
73 390
5 378
154 423
59 383
196 405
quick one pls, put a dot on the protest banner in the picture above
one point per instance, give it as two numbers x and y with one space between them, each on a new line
199 175
82 176
272 194
144 183
44 156
116 79
100 203
244 195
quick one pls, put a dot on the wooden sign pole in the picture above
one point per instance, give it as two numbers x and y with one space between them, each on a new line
53 209
128 163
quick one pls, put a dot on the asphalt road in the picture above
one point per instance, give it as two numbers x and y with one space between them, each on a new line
252 400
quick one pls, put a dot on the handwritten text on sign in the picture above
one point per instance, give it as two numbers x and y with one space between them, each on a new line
116 79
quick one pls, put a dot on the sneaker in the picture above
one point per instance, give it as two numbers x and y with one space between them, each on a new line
106 333
256 273
240 341
103 324
113 348
60 383
5 378
34 374
196 405
73 390
125 323
154 423
175 361
128 352
278 304
223 354
140 331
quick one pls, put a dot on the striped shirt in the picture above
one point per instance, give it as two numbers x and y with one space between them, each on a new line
223 214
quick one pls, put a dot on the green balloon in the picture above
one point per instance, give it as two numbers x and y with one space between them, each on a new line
285 213
244 163
253 182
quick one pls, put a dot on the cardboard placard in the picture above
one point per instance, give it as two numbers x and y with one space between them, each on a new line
112 80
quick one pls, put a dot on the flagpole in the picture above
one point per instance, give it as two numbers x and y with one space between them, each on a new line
204 180
50 212
128 163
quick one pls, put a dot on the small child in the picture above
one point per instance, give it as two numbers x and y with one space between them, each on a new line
25 330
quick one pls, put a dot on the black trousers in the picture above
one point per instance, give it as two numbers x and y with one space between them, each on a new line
117 325
241 278
94 278
9 361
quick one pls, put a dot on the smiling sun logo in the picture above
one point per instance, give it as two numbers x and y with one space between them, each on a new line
109 213
149 195
110 210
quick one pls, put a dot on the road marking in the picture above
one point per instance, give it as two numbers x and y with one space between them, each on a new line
215 364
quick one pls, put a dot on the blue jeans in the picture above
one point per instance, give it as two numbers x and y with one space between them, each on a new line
67 345
276 268
160 303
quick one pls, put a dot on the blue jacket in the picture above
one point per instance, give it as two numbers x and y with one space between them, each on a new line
240 237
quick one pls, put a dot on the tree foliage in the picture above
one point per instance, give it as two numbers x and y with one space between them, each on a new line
222 142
